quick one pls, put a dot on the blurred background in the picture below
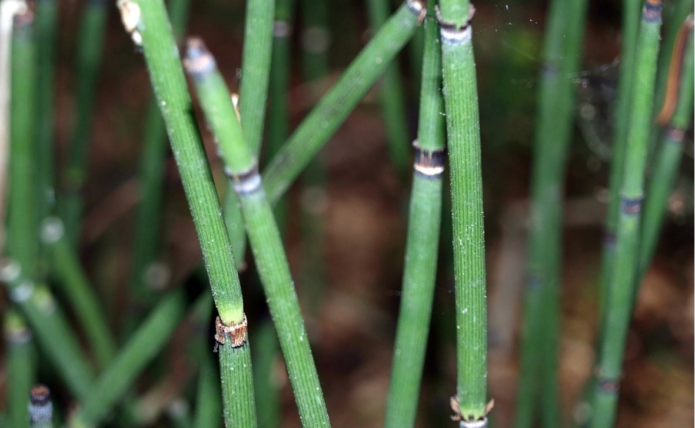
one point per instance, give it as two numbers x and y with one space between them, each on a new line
363 211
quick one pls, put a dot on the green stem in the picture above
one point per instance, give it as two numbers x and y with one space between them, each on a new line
463 129
144 345
90 47
391 96
423 242
20 368
208 404
264 236
265 361
621 288
334 108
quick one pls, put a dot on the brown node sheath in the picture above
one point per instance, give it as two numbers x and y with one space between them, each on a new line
451 26
418 8
652 11
429 164
246 182
235 332
198 61
675 68
40 406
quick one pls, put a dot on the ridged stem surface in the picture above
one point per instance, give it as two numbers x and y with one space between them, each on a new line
333 109
621 288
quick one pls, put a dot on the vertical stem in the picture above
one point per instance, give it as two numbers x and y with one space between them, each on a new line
208 405
265 362
20 368
621 289
423 241
90 47
392 97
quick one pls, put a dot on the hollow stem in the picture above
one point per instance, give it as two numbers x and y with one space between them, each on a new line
334 108
423 241
264 236
621 288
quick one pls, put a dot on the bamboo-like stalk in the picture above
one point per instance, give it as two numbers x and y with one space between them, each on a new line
265 357
50 327
557 94
46 41
208 405
334 108
264 236
621 289
40 407
666 165
149 27
144 345
79 292
423 241
90 38
463 130
149 215
20 368
391 94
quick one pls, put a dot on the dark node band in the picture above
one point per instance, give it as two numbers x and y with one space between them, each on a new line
40 406
198 62
429 163
652 12
418 8
608 386
674 134
631 206
247 182
451 33
235 332
40 395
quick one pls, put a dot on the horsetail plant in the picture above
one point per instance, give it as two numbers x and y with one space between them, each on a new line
463 137
40 407
144 344
423 241
147 23
90 47
335 106
391 94
21 367
151 184
621 289
208 405
557 94
264 236
676 115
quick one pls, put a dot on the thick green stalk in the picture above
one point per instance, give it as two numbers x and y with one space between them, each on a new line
265 360
463 129
51 328
20 368
46 40
562 55
144 345
666 165
208 405
334 108
40 407
149 215
255 69
148 24
621 289
81 295
264 236
423 242
391 95
90 47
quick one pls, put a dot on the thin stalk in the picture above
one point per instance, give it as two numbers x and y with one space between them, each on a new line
149 215
265 360
562 55
631 18
666 165
280 73
79 292
144 345
621 289
208 405
264 236
463 130
40 407
21 367
149 27
422 245
391 95
46 40
334 108
316 40
51 328
90 46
